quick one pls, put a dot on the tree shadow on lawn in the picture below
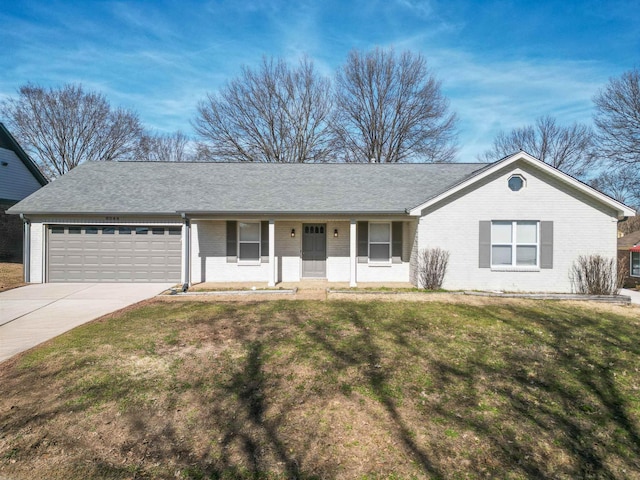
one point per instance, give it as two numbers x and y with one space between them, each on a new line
363 352
539 387
563 387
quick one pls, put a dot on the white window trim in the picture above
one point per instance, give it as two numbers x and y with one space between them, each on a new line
631 264
524 182
514 247
380 262
259 242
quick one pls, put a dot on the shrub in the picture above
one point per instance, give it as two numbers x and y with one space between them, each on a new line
596 275
433 267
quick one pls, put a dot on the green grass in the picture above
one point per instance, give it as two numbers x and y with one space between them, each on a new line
288 389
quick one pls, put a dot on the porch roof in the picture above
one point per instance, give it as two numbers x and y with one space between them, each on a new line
248 188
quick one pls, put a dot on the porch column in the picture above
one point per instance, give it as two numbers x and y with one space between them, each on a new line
272 253
353 258
186 251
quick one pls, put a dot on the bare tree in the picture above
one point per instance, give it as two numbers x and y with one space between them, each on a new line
273 114
621 183
569 149
164 148
631 224
61 128
389 108
617 118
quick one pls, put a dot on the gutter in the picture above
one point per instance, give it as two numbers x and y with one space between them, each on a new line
26 253
304 213
186 252
80 214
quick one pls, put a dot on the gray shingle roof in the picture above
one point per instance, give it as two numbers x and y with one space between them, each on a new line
141 187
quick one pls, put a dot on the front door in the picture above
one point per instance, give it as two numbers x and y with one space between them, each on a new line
314 250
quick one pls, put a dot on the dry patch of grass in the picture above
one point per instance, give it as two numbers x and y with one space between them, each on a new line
11 276
343 389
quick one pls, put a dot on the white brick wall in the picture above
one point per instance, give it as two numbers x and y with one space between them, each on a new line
413 252
37 252
581 227
288 251
338 269
397 272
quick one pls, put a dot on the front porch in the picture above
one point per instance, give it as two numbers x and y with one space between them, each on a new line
336 252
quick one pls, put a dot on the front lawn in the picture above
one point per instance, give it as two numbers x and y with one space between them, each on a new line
289 389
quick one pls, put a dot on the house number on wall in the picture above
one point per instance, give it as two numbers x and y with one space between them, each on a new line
112 219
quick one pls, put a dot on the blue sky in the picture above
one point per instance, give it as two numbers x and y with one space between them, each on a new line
502 63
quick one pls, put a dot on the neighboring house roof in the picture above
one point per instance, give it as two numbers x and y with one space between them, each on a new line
623 210
271 188
629 240
7 141
220 188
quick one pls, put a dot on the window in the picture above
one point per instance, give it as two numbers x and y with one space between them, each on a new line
75 230
124 230
108 230
91 230
175 231
516 182
157 231
635 264
514 244
249 241
142 230
380 242
57 229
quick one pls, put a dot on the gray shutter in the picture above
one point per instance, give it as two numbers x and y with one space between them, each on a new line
396 242
232 241
264 242
484 258
546 244
363 242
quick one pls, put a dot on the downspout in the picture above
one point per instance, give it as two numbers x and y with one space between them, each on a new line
187 252
26 250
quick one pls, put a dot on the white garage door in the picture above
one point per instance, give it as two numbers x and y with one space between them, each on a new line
89 253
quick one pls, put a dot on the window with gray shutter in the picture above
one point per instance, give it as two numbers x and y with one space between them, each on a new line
363 242
232 241
264 241
396 245
484 247
546 244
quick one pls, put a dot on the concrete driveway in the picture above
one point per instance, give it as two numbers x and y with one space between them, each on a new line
33 314
634 294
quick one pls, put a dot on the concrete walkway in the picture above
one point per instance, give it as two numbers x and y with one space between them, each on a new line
33 314
634 294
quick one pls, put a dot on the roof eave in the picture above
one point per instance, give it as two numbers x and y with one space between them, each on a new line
316 213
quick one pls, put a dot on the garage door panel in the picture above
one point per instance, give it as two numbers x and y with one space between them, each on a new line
113 257
72 259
